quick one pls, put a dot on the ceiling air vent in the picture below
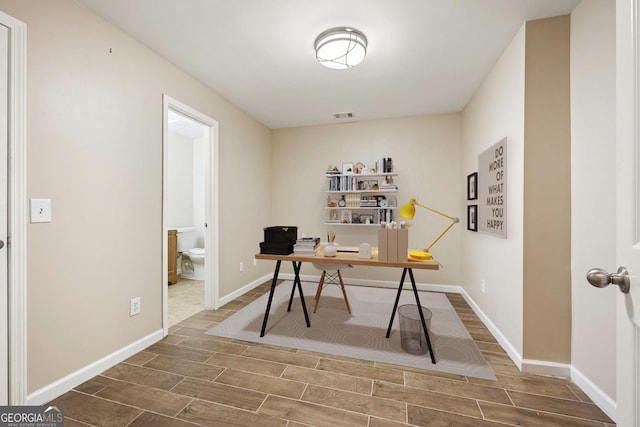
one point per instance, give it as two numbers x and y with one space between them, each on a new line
344 115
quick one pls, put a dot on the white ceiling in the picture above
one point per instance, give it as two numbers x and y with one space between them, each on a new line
424 56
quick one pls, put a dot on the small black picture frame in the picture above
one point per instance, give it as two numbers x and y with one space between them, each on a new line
472 186
472 217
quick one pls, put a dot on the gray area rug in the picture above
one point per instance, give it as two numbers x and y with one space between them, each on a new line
360 334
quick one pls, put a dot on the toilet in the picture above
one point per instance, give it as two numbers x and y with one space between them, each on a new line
192 257
196 255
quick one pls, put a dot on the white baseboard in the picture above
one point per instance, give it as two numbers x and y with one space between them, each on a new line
512 352
243 290
538 367
547 369
599 397
63 385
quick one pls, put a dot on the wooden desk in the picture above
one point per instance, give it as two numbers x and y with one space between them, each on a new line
348 258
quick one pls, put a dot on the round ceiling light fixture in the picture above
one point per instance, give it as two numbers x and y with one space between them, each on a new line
341 48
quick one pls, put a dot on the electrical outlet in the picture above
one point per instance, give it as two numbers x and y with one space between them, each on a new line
483 286
255 262
242 266
134 307
40 210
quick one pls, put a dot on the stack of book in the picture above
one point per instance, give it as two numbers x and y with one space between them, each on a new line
386 186
307 246
368 203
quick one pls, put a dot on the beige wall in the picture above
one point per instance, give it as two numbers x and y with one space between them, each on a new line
593 134
426 154
496 111
547 192
95 148
526 99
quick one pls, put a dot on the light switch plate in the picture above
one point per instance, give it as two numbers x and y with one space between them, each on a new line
40 210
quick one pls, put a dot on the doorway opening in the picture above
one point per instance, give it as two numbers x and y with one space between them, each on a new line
190 214
185 216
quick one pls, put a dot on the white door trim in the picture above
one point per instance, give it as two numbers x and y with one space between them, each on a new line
211 263
17 209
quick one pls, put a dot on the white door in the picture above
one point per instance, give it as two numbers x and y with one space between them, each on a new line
4 133
628 216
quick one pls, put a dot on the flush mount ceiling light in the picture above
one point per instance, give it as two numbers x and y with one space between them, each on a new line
341 48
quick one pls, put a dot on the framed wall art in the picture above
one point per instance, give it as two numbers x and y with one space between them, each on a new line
492 191
472 217
472 186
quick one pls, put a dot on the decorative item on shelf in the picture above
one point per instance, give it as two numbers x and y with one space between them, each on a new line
388 184
409 210
359 168
345 216
367 184
347 168
342 202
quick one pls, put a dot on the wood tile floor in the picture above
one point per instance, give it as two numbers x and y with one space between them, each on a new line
191 379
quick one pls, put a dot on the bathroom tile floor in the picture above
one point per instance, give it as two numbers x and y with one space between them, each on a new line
193 379
186 298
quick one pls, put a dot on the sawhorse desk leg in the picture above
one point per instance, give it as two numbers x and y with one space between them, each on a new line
296 282
395 307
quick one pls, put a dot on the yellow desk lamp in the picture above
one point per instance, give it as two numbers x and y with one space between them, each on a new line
409 210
